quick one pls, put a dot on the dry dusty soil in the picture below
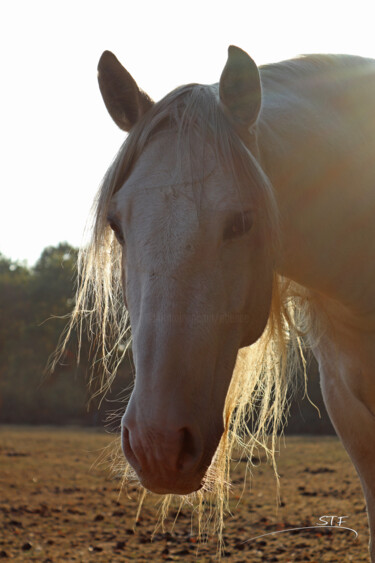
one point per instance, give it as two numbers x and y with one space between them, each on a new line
54 506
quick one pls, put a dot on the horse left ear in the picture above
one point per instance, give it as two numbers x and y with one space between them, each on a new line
240 89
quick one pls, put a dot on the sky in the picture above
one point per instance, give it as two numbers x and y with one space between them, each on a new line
57 139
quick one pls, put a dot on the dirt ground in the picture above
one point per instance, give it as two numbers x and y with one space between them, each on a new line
56 507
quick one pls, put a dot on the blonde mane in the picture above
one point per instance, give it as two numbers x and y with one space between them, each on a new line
258 396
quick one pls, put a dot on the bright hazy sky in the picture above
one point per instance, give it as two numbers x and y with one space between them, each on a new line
56 137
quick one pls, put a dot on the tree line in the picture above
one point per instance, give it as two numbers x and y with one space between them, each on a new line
34 304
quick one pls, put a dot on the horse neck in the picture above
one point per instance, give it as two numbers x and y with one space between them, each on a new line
313 154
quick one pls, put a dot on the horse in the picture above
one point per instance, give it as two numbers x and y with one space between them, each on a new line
236 219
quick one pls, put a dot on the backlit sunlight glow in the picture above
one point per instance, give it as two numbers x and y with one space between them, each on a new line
57 137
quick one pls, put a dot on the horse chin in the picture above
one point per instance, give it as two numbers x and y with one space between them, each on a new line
171 488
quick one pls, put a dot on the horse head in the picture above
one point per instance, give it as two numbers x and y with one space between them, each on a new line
196 220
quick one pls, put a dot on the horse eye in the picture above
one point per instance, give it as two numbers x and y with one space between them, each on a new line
238 225
117 231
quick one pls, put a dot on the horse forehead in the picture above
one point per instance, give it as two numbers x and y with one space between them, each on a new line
167 176
168 160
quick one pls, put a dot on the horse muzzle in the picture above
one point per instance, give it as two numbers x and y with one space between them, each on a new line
168 461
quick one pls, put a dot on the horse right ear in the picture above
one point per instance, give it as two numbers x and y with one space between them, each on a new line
240 88
124 100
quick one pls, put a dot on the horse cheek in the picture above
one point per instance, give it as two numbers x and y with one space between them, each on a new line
258 305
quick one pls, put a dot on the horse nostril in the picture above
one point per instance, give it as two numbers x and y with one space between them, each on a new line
190 450
177 452
127 449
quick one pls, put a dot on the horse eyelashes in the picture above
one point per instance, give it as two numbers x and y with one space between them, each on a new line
238 225
117 231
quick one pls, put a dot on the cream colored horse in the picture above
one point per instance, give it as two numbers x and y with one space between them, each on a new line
219 196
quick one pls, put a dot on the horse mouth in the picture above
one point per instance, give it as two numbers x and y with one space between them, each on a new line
173 484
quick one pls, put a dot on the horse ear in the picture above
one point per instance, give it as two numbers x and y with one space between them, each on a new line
240 89
125 102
